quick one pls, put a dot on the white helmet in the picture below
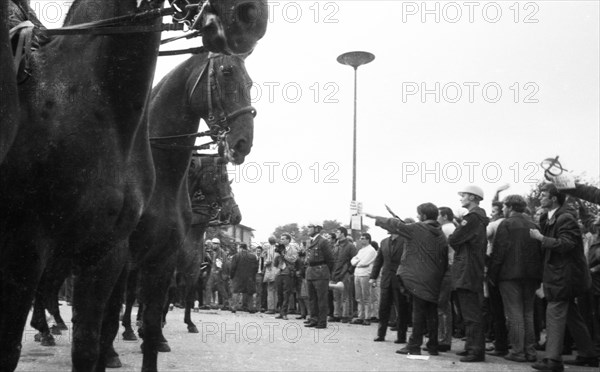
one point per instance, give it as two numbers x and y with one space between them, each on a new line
216 241
472 189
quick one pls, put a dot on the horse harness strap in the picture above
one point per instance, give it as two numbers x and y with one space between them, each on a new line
23 50
106 30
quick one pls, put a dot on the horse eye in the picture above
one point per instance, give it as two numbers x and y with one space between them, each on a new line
227 70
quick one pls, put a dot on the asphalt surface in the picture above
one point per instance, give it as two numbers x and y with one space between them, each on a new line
259 342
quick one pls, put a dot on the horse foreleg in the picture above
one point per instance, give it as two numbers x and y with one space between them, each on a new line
110 325
93 289
38 320
190 291
128 334
20 270
154 284
55 277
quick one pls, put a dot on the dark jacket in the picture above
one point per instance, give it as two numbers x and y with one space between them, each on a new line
387 261
343 253
319 259
566 274
425 258
515 255
469 242
594 260
243 269
586 192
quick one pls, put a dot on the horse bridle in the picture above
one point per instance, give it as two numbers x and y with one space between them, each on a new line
212 210
217 119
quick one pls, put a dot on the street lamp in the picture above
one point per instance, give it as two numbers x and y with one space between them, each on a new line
355 59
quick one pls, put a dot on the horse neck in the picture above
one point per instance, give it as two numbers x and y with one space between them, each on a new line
125 62
195 236
171 100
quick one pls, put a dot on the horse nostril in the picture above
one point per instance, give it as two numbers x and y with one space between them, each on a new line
248 12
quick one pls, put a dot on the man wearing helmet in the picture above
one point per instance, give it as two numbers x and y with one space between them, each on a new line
319 260
469 241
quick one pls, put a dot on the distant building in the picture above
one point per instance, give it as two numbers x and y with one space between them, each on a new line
240 233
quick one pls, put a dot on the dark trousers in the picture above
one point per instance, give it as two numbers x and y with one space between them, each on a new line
518 298
458 324
392 297
425 319
470 306
498 319
264 296
258 287
318 300
562 314
287 290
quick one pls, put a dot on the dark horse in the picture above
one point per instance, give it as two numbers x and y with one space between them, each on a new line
9 100
78 175
212 204
212 87
191 257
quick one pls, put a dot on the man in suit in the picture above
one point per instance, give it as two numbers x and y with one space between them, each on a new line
243 269
319 261
565 276
386 264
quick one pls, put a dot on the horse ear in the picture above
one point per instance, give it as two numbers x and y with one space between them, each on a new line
230 182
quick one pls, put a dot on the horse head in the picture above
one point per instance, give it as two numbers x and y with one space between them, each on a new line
210 191
232 26
226 105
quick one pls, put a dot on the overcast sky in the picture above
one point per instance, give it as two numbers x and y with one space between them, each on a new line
460 90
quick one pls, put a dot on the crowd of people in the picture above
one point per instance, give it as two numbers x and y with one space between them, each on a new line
503 279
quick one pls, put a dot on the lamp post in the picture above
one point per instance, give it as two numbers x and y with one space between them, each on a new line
355 59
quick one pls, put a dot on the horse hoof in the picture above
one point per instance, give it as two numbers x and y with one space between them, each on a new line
192 328
37 337
55 330
113 362
48 341
163 347
128 335
62 326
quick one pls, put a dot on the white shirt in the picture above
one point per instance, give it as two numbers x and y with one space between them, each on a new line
364 260
448 229
551 213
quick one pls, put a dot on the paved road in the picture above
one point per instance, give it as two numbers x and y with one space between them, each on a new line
258 342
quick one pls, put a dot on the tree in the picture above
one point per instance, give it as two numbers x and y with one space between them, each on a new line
290 228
